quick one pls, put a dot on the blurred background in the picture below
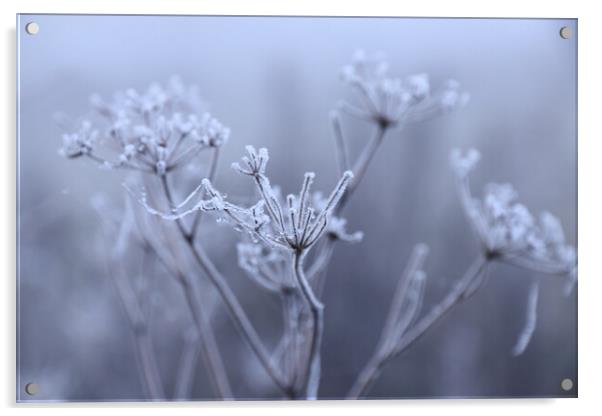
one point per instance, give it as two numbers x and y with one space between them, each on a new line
273 81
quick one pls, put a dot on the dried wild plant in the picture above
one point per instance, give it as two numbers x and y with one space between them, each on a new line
286 243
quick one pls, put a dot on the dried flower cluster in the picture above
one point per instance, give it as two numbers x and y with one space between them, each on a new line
391 101
154 131
507 229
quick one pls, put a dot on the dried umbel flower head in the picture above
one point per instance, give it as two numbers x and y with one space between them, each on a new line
295 224
507 229
154 131
390 101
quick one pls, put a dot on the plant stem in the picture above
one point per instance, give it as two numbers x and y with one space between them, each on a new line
145 354
208 343
312 380
143 346
340 146
375 365
234 307
361 165
359 170
148 362
209 348
211 176
187 365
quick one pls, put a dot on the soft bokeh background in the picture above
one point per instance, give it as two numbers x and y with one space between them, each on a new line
273 81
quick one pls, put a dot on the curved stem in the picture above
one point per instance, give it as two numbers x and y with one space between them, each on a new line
312 380
374 367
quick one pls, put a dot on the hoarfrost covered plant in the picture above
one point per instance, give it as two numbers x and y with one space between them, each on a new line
285 244
294 227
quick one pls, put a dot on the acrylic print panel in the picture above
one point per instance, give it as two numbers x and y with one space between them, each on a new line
296 208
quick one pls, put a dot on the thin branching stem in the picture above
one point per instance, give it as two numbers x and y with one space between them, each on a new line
312 378
376 364
234 307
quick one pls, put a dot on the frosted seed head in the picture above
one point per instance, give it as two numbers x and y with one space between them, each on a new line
463 163
79 143
498 199
419 86
156 116
336 228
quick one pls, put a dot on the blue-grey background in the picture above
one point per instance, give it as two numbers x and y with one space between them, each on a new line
273 80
